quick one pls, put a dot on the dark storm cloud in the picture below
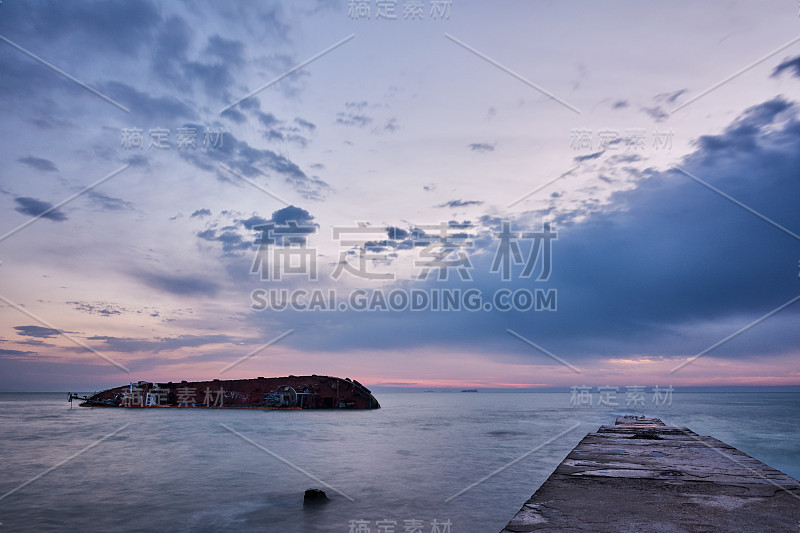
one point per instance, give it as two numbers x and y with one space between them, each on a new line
181 285
460 203
792 65
33 207
481 147
668 268
38 163
37 331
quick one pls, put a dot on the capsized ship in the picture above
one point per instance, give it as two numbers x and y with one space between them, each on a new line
291 392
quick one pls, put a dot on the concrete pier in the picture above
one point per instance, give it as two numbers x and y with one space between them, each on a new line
641 475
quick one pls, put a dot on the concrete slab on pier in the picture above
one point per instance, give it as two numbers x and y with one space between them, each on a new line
641 475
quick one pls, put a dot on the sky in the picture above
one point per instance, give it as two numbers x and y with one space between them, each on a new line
198 190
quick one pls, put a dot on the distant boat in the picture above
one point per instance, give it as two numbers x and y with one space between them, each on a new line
470 390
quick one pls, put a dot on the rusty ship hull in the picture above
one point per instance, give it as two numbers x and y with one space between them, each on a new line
290 392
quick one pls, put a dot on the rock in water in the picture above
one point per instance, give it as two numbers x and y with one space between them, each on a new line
314 496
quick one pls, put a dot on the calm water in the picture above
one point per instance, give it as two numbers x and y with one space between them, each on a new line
176 470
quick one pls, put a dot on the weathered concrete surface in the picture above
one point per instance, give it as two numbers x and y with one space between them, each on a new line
641 475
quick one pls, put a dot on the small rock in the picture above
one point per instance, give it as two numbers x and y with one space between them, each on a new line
314 496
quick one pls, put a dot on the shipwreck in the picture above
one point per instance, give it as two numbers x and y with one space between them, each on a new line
290 392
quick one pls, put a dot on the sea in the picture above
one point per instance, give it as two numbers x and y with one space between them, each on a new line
441 462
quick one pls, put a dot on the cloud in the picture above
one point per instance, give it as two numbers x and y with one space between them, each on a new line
481 147
231 241
14 353
155 108
94 27
620 104
254 220
37 331
663 99
234 239
201 213
790 65
391 125
267 119
137 161
658 114
108 203
460 203
396 233
228 51
159 344
292 213
278 130
99 309
305 124
38 163
669 98
181 285
353 119
667 269
587 157
235 115
747 131
245 159
170 49
172 63
33 207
